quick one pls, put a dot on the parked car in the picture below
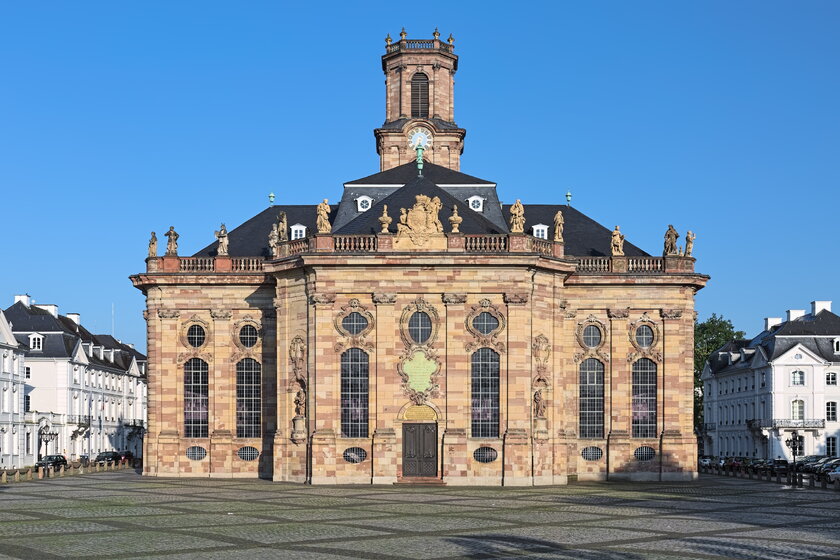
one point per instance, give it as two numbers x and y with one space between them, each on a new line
834 475
823 470
812 467
51 461
779 466
705 461
127 456
107 457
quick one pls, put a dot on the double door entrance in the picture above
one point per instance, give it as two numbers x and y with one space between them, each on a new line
419 450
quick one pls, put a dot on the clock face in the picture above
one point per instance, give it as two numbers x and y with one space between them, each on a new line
419 137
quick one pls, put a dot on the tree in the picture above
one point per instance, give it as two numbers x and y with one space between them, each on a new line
709 335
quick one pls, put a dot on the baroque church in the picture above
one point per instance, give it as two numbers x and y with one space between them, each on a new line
419 331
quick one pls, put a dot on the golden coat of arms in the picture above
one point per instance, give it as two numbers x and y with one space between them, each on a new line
420 224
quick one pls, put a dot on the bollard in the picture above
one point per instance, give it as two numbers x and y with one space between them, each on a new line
81 469
97 467
4 477
60 470
811 482
799 481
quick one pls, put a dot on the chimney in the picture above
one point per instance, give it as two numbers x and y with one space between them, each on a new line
24 299
817 306
75 317
50 308
770 322
793 314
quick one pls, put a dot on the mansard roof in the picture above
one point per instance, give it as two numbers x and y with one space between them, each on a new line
814 332
407 172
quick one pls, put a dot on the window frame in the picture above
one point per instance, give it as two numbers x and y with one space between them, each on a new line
355 393
297 231
644 402
248 398
591 399
797 375
485 393
419 95
797 411
831 411
196 398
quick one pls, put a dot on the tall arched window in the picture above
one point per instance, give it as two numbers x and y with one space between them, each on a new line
591 398
355 370
248 399
797 410
195 398
484 377
644 398
420 95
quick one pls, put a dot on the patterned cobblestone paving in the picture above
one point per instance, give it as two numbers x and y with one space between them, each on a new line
122 515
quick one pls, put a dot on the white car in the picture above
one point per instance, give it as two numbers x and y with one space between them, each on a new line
834 475
706 462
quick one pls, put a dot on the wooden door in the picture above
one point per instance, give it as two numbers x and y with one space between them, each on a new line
419 450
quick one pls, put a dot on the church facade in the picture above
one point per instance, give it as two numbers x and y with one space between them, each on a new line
421 331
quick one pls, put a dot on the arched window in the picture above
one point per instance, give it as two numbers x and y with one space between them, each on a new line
248 399
591 398
797 377
644 398
355 370
484 377
797 410
420 95
195 398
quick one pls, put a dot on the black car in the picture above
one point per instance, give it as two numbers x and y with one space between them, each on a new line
126 456
107 457
52 462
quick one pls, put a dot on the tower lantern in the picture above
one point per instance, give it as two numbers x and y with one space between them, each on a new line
419 93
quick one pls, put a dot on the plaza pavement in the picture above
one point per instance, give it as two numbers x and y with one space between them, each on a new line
123 515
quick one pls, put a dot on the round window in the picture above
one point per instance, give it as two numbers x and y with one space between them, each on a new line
485 454
364 204
644 336
355 454
644 453
485 323
419 327
475 204
592 336
196 453
248 453
196 336
248 335
354 323
592 453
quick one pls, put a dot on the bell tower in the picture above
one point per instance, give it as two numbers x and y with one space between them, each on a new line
419 103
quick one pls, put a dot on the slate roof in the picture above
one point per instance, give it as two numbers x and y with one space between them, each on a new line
439 124
814 332
407 172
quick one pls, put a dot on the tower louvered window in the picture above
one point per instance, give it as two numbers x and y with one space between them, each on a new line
420 95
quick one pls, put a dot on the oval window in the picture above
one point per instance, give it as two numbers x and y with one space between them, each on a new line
248 453
196 336
354 323
485 323
355 454
644 453
485 454
644 336
591 336
420 327
196 453
248 336
592 453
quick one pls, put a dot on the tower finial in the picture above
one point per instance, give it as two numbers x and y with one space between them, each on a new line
451 39
403 34
388 40
436 34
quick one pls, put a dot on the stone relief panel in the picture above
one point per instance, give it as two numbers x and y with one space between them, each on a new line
483 335
541 352
645 336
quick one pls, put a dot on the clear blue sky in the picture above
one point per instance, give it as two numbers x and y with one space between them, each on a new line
120 118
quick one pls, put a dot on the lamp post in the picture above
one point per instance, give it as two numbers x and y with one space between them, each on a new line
795 446
45 437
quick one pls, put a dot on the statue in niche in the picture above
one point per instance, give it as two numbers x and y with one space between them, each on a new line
172 244
671 241
297 356
385 219
282 227
558 226
689 243
455 220
517 217
617 243
153 246
539 405
222 236
274 242
323 221
300 403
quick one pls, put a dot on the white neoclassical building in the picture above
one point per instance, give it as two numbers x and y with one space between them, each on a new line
83 393
758 392
13 450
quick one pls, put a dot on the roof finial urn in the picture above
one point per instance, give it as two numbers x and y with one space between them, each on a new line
388 40
403 34
451 39
436 34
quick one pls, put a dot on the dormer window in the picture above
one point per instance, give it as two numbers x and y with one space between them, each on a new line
837 345
540 230
298 231
476 203
363 203
36 342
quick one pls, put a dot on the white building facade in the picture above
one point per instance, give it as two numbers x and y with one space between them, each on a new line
83 393
13 450
758 392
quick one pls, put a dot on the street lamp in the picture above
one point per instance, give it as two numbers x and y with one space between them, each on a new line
45 437
795 445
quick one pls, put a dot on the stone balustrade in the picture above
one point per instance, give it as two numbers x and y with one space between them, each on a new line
486 244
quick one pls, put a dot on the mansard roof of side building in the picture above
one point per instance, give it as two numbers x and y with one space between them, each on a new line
397 188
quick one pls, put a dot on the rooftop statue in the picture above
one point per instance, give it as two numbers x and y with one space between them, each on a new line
558 226
517 217
617 243
671 241
153 245
274 242
282 227
222 236
689 243
323 222
172 244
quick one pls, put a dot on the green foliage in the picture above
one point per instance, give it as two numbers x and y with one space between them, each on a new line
709 335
